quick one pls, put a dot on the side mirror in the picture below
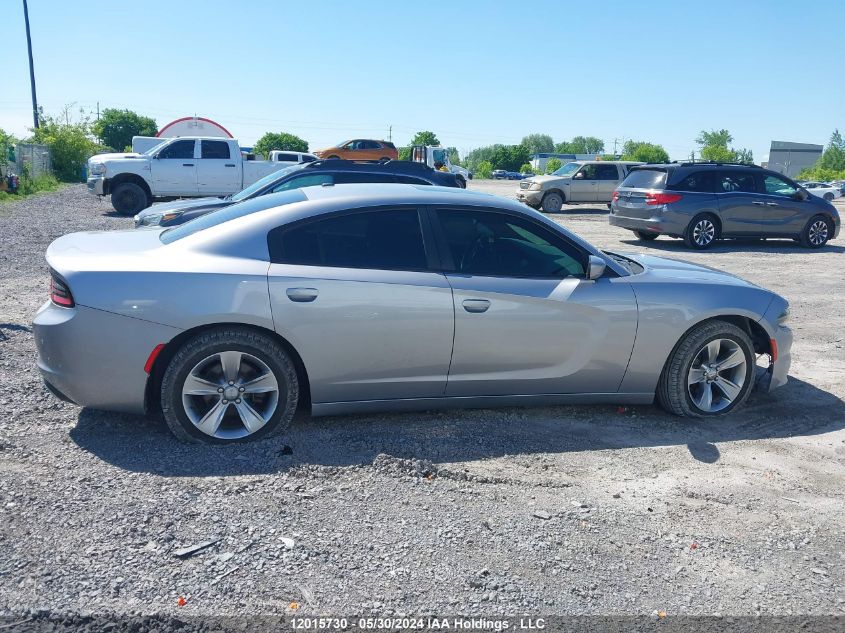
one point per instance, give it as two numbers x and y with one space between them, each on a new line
800 195
595 267
578 176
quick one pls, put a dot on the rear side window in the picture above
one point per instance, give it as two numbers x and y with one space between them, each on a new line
215 149
701 181
384 239
736 182
607 172
645 179
310 180
348 177
288 158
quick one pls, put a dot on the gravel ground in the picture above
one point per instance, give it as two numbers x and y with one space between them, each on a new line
559 510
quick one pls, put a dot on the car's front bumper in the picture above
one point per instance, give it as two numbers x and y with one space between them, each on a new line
530 197
96 358
97 185
776 374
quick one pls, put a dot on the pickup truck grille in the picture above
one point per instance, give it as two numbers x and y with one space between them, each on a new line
524 184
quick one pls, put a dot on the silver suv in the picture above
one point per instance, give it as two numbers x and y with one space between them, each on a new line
576 182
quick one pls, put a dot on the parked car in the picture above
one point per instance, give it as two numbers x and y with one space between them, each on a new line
323 172
368 297
361 149
823 190
515 175
291 158
704 202
178 167
581 181
499 174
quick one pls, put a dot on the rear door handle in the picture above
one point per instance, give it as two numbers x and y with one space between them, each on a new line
476 305
230 164
187 164
302 295
757 202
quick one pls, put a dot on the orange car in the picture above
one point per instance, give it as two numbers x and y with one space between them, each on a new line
361 149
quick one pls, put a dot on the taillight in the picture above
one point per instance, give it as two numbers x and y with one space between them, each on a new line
60 293
662 198
615 196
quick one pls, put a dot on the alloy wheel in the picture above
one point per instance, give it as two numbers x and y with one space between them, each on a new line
230 395
703 232
717 375
817 233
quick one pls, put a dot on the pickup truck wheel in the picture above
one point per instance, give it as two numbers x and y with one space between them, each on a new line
128 198
552 202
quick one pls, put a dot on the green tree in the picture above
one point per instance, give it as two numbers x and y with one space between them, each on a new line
644 152
833 157
484 169
537 143
479 155
281 141
71 143
404 153
581 145
115 128
714 138
425 138
552 165
718 154
526 169
714 146
509 157
7 143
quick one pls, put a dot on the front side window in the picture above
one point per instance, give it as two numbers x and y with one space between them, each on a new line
777 186
179 149
732 182
501 245
588 172
215 149
310 180
384 239
607 172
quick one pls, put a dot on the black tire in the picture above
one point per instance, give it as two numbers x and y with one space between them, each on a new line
461 182
260 346
673 392
816 233
702 232
552 202
828 196
127 198
647 236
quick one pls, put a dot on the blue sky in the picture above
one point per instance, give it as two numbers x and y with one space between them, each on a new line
475 73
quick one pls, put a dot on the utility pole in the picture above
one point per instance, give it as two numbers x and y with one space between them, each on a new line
31 67
390 133
98 110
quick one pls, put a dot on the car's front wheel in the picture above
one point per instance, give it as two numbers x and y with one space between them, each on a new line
816 233
552 202
229 385
702 232
710 372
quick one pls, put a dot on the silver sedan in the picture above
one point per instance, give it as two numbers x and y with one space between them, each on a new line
358 298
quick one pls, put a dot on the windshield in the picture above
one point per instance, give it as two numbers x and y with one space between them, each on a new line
567 170
231 213
154 148
258 185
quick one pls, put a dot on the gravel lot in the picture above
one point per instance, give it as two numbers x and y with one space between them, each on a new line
562 510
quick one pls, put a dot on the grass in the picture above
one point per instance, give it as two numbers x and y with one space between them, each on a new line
30 187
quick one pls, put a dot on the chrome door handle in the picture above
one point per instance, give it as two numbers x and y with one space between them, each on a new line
757 202
772 204
476 305
302 295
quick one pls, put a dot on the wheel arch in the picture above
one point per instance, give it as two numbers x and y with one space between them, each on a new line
134 179
557 191
152 393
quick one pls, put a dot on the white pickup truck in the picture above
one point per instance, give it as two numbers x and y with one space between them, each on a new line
438 158
183 167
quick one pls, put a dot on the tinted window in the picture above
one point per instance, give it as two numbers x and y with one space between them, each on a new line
347 177
308 159
179 149
777 186
607 172
215 149
733 181
309 180
230 213
410 180
288 158
370 145
645 179
501 245
702 181
386 240
588 172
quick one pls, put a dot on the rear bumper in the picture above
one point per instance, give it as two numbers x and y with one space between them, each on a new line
95 358
656 223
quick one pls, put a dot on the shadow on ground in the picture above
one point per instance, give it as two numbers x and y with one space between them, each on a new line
734 246
139 444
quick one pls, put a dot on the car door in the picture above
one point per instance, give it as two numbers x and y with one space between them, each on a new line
527 321
784 214
357 295
584 185
217 171
174 169
740 203
608 178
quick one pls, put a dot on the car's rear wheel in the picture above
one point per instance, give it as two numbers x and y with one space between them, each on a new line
461 182
552 202
828 196
645 235
128 198
816 233
710 372
702 232
229 385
